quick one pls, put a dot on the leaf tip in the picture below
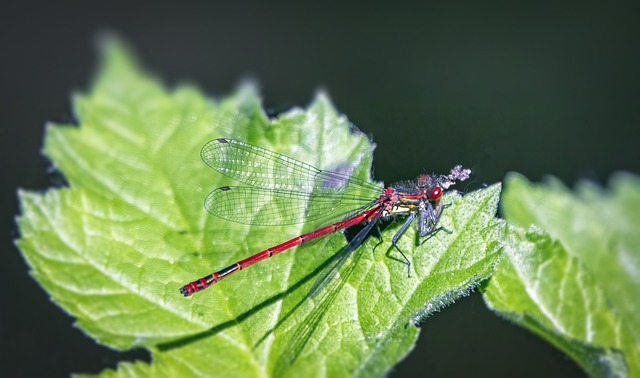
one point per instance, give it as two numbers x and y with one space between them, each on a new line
515 178
115 53
322 101
249 86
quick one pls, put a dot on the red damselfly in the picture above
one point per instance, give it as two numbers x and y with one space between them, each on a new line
283 190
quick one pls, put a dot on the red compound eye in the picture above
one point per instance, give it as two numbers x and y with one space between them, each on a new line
436 193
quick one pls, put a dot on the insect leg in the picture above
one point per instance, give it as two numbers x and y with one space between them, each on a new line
428 220
397 236
379 236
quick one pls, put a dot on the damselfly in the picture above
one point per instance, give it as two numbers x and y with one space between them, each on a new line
283 191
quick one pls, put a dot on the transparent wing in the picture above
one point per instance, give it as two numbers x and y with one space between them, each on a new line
324 291
330 272
264 207
258 167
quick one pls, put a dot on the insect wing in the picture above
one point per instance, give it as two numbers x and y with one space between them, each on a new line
259 167
324 292
334 268
264 207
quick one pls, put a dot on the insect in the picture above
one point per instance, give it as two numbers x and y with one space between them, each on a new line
282 190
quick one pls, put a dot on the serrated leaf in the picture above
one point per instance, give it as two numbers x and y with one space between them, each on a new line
114 247
125 370
576 286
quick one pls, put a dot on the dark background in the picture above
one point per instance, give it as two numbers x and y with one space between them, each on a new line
539 88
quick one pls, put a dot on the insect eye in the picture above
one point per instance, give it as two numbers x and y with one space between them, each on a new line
436 193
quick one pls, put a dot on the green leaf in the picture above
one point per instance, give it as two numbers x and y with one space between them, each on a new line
114 247
575 283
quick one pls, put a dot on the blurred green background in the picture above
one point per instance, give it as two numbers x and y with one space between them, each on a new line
536 87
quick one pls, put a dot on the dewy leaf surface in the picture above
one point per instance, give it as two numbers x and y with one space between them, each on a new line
114 247
577 282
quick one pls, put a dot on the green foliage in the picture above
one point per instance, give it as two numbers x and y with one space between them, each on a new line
575 283
114 247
